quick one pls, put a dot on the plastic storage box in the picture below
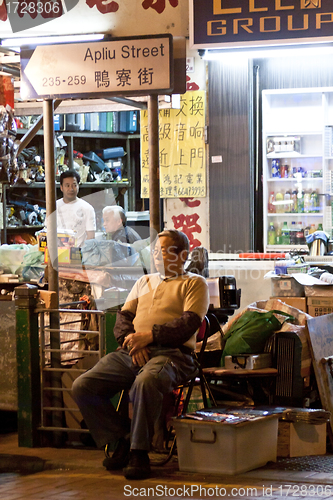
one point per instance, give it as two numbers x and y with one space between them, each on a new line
226 448
248 361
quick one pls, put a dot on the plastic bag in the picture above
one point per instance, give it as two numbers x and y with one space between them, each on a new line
107 252
248 335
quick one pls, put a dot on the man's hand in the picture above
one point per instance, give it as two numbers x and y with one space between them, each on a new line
141 357
137 341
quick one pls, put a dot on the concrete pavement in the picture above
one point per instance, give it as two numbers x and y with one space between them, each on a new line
66 473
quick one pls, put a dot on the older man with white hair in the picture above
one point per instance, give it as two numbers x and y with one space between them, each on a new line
115 225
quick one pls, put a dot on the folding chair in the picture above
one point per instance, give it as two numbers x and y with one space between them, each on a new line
198 378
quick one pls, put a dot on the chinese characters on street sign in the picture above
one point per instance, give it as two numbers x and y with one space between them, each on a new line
131 66
182 157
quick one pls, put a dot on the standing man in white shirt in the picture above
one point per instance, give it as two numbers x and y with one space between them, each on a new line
73 213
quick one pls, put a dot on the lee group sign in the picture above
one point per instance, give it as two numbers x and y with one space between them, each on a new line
232 23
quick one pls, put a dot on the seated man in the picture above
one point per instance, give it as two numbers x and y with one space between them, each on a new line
115 225
156 329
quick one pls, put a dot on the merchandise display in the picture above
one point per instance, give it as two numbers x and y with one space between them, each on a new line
297 166
105 158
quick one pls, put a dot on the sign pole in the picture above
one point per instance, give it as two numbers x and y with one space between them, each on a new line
154 172
50 196
52 249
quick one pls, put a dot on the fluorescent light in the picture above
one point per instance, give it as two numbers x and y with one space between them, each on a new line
260 53
16 43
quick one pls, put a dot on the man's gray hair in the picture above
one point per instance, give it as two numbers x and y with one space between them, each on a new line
116 209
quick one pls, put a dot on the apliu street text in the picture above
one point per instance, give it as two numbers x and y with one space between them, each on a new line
126 52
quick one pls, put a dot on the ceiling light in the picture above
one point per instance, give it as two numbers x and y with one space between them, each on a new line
264 52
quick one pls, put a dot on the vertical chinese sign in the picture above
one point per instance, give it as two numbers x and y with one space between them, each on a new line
182 156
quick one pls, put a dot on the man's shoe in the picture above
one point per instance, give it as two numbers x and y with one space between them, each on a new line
120 456
138 465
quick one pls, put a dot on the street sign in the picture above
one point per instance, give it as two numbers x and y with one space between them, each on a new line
123 66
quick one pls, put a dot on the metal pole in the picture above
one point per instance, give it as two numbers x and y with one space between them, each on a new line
154 175
34 129
50 197
52 248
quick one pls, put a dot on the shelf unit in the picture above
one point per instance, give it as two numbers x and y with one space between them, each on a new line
123 192
26 192
303 118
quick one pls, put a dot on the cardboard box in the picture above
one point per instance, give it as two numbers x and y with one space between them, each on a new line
226 448
63 255
320 301
297 302
66 255
64 239
318 290
319 310
9 278
286 286
299 439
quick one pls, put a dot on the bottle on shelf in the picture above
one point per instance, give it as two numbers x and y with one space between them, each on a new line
284 169
300 201
290 172
307 201
320 227
314 203
279 198
287 199
278 234
293 231
276 168
294 199
271 234
300 234
271 200
285 237
312 228
306 232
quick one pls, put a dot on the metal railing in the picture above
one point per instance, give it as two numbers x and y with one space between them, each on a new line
55 362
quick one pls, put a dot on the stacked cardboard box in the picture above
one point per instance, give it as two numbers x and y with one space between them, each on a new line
319 299
297 302
317 306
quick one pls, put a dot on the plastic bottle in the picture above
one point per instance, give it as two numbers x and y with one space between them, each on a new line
300 234
287 198
276 168
314 202
312 229
271 234
294 198
279 197
271 206
306 232
293 231
307 202
284 170
285 237
278 234
300 202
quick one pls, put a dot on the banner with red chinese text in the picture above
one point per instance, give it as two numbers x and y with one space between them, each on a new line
182 156
70 17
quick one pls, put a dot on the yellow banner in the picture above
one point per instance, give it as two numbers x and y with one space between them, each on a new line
182 156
